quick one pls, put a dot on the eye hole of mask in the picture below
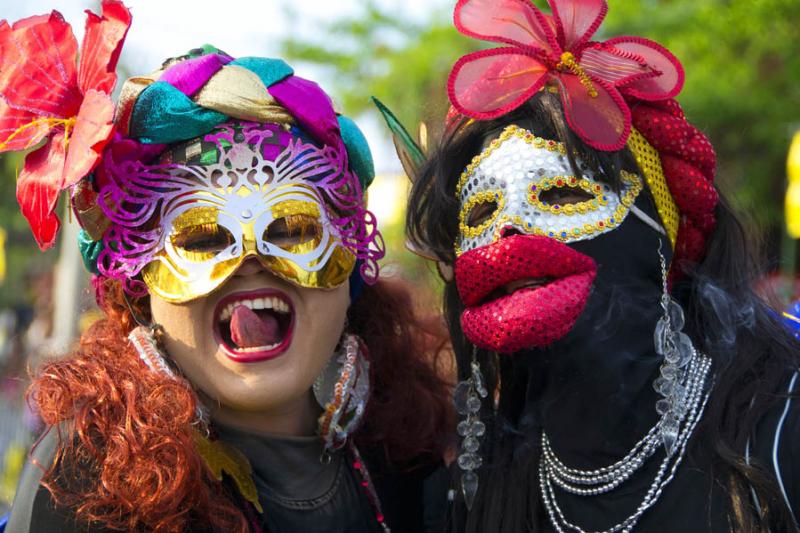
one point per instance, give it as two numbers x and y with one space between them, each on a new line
202 241
481 212
293 230
565 195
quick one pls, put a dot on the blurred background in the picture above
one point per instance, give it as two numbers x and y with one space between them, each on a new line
742 88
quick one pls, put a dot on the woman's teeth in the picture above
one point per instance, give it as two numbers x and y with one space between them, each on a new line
524 284
251 349
274 303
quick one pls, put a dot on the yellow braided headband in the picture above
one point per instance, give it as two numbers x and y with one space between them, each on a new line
650 164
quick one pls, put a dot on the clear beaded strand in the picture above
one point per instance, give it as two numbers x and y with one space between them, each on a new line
467 398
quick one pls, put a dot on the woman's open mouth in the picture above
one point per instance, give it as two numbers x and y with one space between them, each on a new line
254 326
524 291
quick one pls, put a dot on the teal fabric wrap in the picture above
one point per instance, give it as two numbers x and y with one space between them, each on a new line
162 114
90 251
269 70
358 152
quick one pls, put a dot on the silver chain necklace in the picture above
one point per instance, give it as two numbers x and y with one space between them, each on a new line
685 416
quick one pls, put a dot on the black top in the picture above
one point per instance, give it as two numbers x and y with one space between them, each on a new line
298 491
696 500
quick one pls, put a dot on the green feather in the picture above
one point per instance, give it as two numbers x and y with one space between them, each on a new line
410 154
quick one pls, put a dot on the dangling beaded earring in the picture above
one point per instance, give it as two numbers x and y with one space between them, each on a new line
677 349
342 390
467 398
144 341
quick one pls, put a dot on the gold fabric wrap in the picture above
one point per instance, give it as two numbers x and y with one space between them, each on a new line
240 93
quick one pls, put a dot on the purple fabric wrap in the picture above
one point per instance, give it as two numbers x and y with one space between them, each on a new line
311 107
189 76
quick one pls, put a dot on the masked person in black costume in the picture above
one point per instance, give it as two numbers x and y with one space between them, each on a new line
619 373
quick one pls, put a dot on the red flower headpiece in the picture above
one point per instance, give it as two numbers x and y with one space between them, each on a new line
591 77
44 94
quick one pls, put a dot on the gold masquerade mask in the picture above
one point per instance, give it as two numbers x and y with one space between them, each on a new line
212 217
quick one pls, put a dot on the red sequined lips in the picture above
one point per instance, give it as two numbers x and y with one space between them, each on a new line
524 291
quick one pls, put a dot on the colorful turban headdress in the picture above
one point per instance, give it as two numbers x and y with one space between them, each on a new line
182 144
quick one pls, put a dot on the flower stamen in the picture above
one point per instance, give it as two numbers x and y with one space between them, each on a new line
68 123
568 62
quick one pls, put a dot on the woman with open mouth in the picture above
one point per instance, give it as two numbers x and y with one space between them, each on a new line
252 372
619 373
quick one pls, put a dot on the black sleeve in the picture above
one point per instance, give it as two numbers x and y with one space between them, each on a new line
435 501
776 444
33 509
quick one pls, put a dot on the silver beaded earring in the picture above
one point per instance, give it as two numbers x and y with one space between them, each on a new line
467 397
144 340
677 349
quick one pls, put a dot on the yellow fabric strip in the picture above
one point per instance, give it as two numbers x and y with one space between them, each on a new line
239 93
650 164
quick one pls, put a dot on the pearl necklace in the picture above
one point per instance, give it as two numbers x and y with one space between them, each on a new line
602 480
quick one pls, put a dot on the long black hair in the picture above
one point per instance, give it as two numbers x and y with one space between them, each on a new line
752 351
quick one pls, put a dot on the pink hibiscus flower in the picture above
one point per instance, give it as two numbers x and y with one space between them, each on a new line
554 50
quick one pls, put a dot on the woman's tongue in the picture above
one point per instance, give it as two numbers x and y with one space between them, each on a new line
250 330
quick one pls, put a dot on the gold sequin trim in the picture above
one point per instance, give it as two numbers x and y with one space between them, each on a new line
563 182
570 234
295 207
476 199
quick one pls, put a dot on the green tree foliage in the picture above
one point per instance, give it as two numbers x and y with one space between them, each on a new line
741 59
380 52
23 259
742 74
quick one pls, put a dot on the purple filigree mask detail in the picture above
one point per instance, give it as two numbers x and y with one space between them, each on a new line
186 227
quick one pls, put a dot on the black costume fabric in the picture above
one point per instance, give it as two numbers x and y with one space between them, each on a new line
299 493
592 393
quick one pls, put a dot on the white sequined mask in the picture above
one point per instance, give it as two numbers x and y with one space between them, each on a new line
516 183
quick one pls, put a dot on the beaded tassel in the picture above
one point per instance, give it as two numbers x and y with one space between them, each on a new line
467 398
342 414
678 351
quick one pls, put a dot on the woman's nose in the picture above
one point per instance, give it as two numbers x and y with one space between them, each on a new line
250 266
508 231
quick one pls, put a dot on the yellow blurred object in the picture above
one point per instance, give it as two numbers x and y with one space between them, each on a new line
88 318
2 255
387 198
11 469
793 192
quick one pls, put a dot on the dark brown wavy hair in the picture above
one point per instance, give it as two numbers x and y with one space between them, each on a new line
126 458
